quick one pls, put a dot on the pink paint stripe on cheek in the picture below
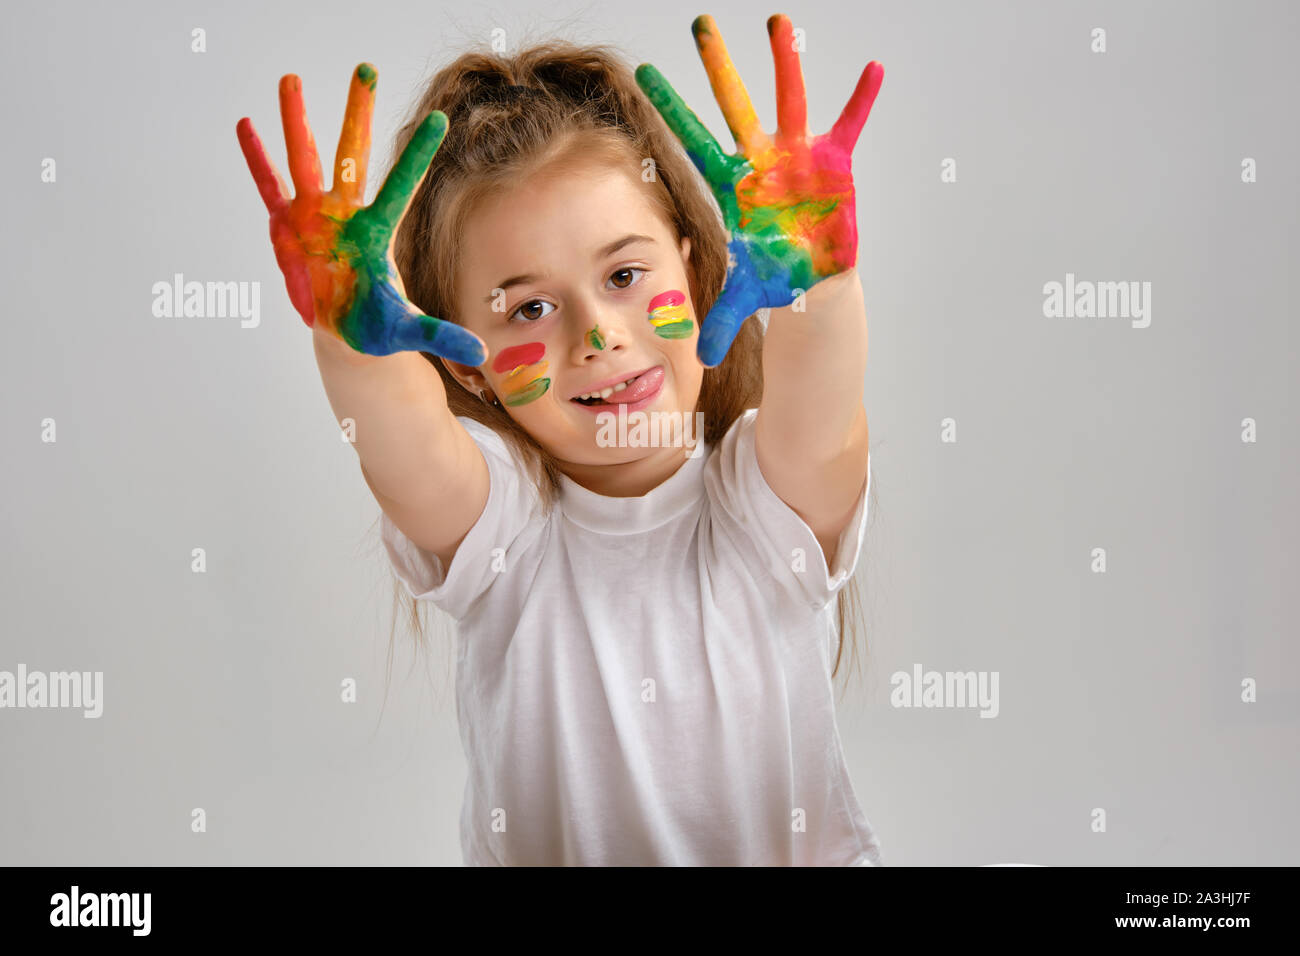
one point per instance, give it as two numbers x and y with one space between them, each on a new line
665 299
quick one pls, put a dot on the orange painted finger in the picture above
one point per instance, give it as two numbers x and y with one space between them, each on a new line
791 97
354 142
304 161
728 90
269 182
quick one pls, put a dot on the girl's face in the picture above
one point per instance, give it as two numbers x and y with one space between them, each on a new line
576 285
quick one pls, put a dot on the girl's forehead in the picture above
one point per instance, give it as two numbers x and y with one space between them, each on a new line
581 198
517 235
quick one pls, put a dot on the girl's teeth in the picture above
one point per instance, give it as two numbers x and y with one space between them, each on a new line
605 393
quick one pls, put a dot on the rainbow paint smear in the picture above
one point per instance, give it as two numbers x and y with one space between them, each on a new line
524 366
667 313
333 251
787 199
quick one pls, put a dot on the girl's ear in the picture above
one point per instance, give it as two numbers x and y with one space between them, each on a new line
686 260
467 375
690 265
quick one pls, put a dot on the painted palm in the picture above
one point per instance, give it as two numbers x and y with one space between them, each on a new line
336 255
787 200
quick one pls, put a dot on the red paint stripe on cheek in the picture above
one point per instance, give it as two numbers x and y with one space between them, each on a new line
517 355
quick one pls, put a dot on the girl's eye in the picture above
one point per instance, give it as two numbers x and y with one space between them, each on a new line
624 285
527 311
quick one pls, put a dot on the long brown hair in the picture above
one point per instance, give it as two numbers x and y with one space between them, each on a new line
580 101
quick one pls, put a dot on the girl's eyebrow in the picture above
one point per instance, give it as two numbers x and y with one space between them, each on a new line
602 253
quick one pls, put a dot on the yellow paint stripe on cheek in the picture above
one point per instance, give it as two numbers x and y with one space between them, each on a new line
523 374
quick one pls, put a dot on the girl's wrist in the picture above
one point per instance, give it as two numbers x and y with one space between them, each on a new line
830 289
332 346
837 283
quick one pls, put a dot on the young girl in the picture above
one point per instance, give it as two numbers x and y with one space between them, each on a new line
644 665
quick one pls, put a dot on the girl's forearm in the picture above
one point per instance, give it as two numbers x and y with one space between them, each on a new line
400 423
814 363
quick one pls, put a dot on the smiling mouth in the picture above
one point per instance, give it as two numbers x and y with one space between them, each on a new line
598 400
629 391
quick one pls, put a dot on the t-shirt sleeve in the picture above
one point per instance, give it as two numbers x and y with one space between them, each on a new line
513 504
769 535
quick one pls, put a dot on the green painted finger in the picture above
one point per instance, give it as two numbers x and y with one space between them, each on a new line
705 153
406 174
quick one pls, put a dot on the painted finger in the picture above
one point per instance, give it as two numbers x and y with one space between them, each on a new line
791 97
304 162
739 300
728 90
353 154
297 279
848 127
700 144
395 194
269 182
403 328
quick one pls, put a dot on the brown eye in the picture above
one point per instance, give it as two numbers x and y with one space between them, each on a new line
526 311
624 285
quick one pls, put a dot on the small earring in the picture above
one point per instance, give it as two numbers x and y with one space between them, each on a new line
482 394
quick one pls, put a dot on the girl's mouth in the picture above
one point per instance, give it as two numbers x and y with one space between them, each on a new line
635 394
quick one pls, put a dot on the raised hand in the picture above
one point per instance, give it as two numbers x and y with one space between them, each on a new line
787 200
336 255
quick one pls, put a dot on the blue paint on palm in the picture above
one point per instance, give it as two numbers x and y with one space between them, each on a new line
759 276
382 322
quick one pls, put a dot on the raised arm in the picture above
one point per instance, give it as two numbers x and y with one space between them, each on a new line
787 201
419 462
336 255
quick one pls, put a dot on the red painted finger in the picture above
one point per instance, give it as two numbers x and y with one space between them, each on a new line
269 182
791 97
848 127
304 161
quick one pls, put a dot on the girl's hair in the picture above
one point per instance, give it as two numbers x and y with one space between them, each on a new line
555 105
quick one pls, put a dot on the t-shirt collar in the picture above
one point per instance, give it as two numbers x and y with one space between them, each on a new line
610 515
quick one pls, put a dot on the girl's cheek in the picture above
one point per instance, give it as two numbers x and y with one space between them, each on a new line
668 314
524 367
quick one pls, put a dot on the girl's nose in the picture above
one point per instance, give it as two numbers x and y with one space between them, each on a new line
595 338
598 332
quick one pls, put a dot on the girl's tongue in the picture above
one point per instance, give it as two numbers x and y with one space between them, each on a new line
643 385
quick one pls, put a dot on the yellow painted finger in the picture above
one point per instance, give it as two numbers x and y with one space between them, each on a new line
354 142
728 90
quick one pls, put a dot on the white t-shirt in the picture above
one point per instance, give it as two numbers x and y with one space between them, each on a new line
646 681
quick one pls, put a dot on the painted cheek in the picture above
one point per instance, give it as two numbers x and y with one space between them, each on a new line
667 313
524 367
